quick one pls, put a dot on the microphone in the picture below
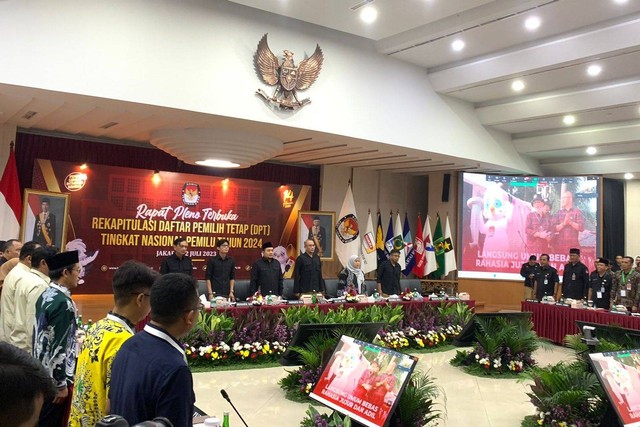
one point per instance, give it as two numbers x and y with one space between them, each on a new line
226 397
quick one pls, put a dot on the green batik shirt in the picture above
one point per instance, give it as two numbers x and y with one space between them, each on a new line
54 337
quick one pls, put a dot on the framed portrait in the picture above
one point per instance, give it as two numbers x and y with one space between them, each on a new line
319 227
44 218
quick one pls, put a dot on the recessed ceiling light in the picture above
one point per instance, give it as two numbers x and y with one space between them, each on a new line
621 1
457 45
568 119
628 175
217 163
591 150
532 23
594 70
369 14
517 85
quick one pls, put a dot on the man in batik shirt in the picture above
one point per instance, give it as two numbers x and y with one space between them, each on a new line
54 340
131 291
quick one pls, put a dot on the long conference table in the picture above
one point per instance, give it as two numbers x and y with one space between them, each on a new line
555 322
243 310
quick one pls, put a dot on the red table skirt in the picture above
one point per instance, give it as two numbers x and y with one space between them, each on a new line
242 311
555 322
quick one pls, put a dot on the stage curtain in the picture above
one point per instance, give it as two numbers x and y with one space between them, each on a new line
613 218
30 147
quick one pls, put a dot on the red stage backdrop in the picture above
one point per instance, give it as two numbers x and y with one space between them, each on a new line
117 214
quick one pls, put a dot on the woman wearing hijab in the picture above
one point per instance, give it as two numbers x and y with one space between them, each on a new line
351 275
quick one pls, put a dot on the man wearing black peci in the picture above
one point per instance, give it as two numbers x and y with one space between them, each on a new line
529 270
178 262
221 272
266 274
575 278
307 275
600 282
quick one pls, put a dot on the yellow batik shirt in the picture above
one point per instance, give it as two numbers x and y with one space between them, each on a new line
93 371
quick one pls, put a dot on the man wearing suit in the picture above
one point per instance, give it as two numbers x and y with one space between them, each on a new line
318 234
44 230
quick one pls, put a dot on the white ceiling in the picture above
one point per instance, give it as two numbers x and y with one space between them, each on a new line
551 61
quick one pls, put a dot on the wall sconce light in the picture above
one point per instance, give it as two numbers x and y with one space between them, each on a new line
156 177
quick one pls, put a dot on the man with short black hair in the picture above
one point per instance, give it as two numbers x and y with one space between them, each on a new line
575 277
44 229
318 234
8 319
10 249
266 274
600 283
529 271
54 338
28 290
132 283
389 275
24 385
150 376
307 273
547 283
178 262
221 272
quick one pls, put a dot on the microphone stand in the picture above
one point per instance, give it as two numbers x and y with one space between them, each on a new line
226 397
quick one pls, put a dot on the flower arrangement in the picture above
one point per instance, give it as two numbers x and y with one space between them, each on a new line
395 340
504 346
350 294
316 419
256 299
407 295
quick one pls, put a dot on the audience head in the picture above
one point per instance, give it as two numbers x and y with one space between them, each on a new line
532 259
26 252
223 246
309 246
618 259
175 303
602 265
394 255
64 269
544 260
267 250
25 386
574 255
12 248
132 284
626 263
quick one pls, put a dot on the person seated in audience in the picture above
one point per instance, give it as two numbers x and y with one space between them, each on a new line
24 386
132 284
150 376
352 276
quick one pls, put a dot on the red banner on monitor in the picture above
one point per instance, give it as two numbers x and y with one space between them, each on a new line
117 214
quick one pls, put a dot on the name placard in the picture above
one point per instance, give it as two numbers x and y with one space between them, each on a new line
295 302
531 300
242 304
563 304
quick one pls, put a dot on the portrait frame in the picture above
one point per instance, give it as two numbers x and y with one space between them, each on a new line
59 211
327 222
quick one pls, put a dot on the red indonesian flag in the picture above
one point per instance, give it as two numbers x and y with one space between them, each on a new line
418 247
10 200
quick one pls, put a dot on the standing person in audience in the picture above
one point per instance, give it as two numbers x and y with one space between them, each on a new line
10 249
600 283
351 275
389 275
547 282
307 276
568 223
625 290
150 376
529 271
266 274
221 272
24 385
575 278
21 269
637 262
178 262
617 265
54 338
29 289
132 283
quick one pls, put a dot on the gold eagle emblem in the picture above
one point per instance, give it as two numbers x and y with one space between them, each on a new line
287 78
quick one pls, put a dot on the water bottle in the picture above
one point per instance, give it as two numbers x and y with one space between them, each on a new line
314 297
225 419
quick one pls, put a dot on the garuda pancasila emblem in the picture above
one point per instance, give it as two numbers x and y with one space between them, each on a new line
287 78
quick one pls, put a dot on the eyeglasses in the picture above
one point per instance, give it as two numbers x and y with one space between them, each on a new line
199 307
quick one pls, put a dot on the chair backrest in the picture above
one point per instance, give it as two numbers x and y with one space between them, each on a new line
371 286
331 288
202 288
287 289
241 290
414 284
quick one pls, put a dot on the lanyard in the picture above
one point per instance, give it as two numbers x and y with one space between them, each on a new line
121 322
165 337
624 279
